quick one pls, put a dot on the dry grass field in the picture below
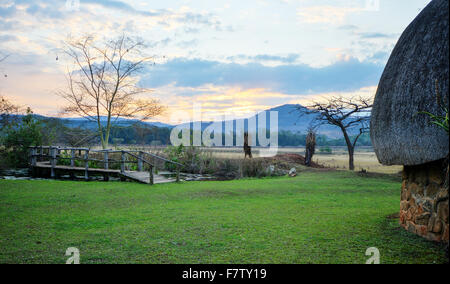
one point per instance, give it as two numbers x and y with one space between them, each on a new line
365 157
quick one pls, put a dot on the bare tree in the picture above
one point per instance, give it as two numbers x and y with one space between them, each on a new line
351 114
103 84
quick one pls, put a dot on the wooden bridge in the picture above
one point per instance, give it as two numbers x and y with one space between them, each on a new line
140 166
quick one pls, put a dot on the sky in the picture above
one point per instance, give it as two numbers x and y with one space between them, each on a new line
232 56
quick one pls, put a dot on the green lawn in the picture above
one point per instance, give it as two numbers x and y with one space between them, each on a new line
318 217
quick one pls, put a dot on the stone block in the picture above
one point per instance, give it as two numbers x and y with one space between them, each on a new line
422 219
435 175
410 227
437 228
421 230
432 189
442 211
445 234
427 205
404 205
431 223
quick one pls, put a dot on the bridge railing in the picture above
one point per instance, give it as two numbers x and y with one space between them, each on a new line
52 154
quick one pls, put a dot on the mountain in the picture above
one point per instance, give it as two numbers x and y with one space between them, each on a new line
290 118
83 123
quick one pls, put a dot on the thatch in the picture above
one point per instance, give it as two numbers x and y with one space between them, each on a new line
399 135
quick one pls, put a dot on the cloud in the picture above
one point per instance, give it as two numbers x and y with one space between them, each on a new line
188 43
291 58
376 35
325 14
99 11
346 75
348 27
5 38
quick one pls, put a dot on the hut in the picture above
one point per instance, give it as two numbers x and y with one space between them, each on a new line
418 65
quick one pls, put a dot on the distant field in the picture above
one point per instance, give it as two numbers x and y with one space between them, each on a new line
318 217
365 157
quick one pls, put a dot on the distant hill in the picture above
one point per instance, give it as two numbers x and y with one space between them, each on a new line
290 118
83 123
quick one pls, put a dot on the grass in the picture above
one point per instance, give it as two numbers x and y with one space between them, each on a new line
318 217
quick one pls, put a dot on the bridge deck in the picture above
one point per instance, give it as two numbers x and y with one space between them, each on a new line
142 177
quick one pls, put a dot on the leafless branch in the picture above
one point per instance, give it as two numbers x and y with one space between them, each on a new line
345 113
103 82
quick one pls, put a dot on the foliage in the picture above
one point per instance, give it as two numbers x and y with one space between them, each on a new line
197 162
8 113
439 120
20 136
317 217
326 150
141 134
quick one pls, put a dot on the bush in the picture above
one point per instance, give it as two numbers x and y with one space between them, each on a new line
326 150
18 137
195 161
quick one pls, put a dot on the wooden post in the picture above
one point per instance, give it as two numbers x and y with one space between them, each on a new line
106 165
30 156
33 156
53 161
42 154
33 161
72 158
106 160
86 164
151 175
141 156
122 163
178 173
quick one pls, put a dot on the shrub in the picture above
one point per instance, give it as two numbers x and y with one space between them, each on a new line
19 136
326 150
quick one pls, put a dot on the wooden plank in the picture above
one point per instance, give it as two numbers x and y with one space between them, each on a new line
68 168
144 177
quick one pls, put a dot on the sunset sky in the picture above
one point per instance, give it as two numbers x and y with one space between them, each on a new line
229 55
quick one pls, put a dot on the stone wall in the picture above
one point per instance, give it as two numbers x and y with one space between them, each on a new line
424 200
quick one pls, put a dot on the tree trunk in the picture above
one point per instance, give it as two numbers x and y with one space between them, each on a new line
351 164
351 150
106 140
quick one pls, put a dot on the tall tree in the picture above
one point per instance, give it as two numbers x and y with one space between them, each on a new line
103 85
352 114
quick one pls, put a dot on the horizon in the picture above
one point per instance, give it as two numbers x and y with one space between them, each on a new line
232 57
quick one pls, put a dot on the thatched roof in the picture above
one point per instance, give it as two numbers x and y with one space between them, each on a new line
400 136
